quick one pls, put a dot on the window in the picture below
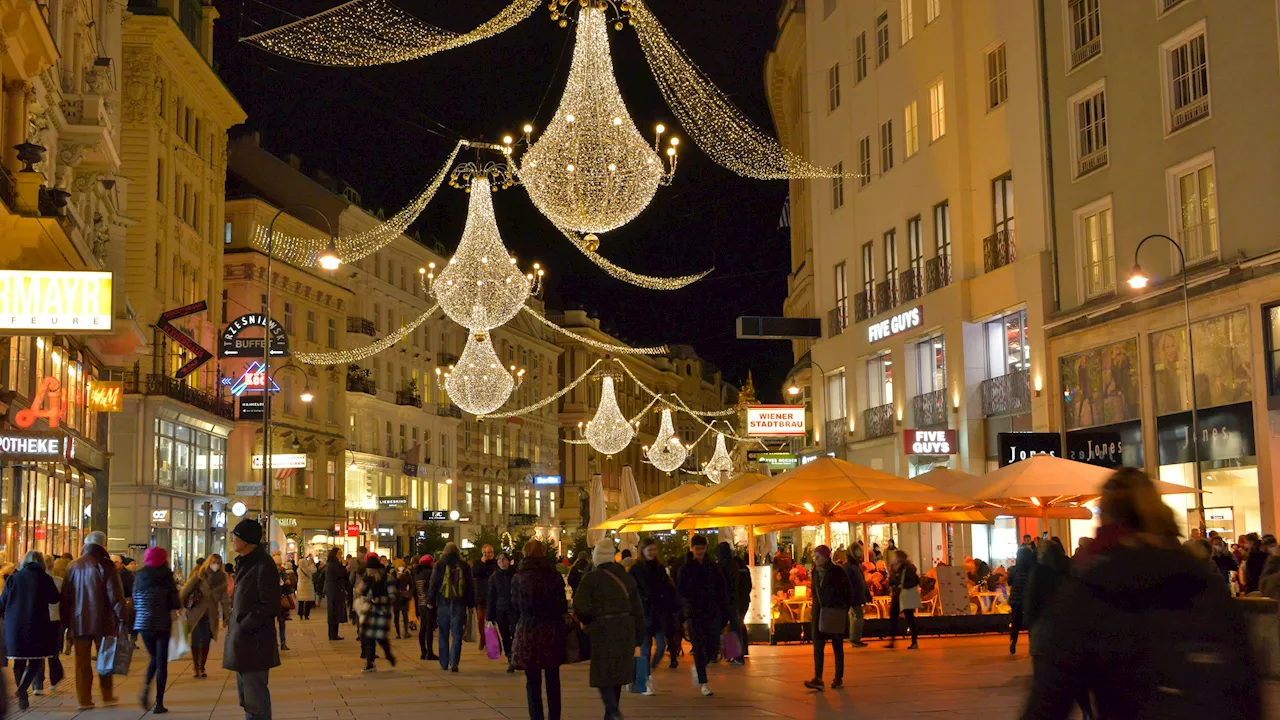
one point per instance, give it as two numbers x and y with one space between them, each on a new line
932 9
837 186
331 405
159 180
911 125
868 270
388 438
288 318
332 480
864 161
908 18
311 325
937 111
333 334
1187 67
377 318
997 78
467 500
1085 20
836 394
1091 131
1006 341
833 87
915 250
931 365
860 57
1193 193
880 380
1096 245
886 146
942 230
286 395
891 257
1272 338
842 296
226 233
1002 203
882 38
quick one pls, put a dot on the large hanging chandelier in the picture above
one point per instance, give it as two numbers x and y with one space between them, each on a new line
609 432
591 171
720 461
667 453
478 383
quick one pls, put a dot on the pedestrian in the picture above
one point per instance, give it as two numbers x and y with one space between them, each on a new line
335 590
608 605
1223 560
355 569
498 606
537 598
401 584
675 628
208 603
1142 626
483 569
306 587
155 601
1019 574
30 635
580 566
832 597
904 594
859 595
737 583
452 594
706 607
58 573
250 648
426 614
658 598
93 607
375 625
1047 579
288 600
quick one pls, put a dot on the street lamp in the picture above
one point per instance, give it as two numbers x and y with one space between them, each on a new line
794 389
329 260
1139 280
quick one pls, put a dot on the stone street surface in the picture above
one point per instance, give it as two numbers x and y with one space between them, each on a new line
967 677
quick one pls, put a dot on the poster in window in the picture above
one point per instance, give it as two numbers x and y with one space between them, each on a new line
1223 367
1100 386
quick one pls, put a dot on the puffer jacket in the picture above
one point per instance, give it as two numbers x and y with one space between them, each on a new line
657 594
499 604
93 600
1024 565
155 596
422 586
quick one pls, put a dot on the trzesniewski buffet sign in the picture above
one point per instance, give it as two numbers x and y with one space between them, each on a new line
900 323
66 302
775 420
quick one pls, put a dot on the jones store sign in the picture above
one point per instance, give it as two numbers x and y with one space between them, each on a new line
775 420
900 323
929 442
66 302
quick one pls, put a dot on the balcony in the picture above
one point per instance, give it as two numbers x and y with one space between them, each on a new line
361 326
408 397
135 383
837 433
877 422
937 273
519 463
930 409
1094 160
1007 395
1086 50
1199 242
910 285
837 319
446 358
361 380
448 410
886 294
863 306
999 250
1167 5
1190 112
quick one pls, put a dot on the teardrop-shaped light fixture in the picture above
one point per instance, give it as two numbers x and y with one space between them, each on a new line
720 461
478 383
667 453
609 432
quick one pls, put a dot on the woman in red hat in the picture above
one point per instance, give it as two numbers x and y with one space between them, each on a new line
155 598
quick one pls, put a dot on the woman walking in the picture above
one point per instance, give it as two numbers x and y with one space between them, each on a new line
288 599
306 587
498 608
904 593
451 594
426 615
375 623
658 597
207 598
539 605
155 600
608 604
30 637
832 597
403 589
335 592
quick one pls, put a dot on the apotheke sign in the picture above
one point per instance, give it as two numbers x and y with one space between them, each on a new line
929 442
775 420
900 323
37 446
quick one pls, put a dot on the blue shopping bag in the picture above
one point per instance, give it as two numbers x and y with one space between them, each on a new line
641 680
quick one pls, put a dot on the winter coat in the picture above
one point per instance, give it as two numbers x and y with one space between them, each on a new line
451 564
903 577
703 595
1020 574
480 574
830 589
155 596
401 582
737 579
25 602
375 624
1046 580
576 572
211 600
251 644
335 592
608 605
1152 633
1254 563
857 583
93 600
422 586
657 595
498 603
537 597
288 586
306 580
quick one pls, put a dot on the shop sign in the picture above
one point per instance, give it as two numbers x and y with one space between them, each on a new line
546 480
35 446
32 301
353 529
232 345
410 469
1226 433
286 521
285 461
929 442
393 502
159 517
248 489
384 531
775 420
1109 446
1015 446
106 396
251 408
812 455
900 323
199 354
435 515
46 404
775 460
254 379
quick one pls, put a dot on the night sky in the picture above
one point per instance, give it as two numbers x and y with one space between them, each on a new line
386 130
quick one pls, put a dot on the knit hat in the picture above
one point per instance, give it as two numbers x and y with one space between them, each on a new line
370 557
823 550
603 552
155 557
249 531
426 560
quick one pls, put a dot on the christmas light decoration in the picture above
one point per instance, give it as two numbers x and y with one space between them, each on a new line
621 349
645 281
720 461
591 171
342 357
361 33
667 453
609 432
478 383
546 400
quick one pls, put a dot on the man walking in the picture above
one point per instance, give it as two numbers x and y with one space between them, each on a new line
484 568
92 606
1024 563
250 650
860 596
706 607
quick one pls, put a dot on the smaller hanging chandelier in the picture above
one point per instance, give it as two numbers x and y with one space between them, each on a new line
478 383
609 432
720 461
667 453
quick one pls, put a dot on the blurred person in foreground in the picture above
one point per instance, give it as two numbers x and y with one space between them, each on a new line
539 606
250 648
1142 625
30 637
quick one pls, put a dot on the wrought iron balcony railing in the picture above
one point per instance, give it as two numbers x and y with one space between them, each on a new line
837 433
910 285
136 383
864 306
877 422
886 294
930 409
998 250
837 319
1007 394
937 273
362 326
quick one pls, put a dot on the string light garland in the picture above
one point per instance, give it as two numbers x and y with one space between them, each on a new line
608 431
302 251
478 383
621 349
343 357
363 33
591 171
544 401
645 281
667 453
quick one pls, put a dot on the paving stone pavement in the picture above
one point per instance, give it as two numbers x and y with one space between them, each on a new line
965 677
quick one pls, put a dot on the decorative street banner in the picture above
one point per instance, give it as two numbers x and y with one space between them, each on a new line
235 346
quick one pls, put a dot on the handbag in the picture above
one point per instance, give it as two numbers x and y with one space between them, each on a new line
115 656
833 621
194 599
178 645
287 602
732 644
492 641
577 645
909 598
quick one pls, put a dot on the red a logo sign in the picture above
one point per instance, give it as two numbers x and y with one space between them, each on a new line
48 389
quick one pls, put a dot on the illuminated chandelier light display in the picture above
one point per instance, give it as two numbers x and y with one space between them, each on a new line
591 171
609 432
363 33
350 355
478 383
667 453
720 461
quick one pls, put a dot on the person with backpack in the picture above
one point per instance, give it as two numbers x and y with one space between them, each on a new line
426 615
608 605
451 595
1143 626
737 583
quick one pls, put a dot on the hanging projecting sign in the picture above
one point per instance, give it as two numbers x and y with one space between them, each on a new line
159 517
775 420
775 460
106 396
66 302
546 480
46 404
35 446
900 323
1226 433
251 408
287 461
254 379
200 355
930 442
353 530
235 346
1015 446
435 515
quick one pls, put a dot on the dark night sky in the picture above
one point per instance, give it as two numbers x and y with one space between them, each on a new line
386 130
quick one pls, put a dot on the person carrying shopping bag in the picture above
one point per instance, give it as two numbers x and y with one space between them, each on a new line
155 600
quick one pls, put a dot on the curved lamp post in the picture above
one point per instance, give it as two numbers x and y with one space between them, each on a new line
795 390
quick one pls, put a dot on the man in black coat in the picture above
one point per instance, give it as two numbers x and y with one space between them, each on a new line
737 583
831 591
706 606
1019 575
250 648
860 596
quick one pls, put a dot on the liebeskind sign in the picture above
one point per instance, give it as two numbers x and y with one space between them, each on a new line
900 323
775 420
929 442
